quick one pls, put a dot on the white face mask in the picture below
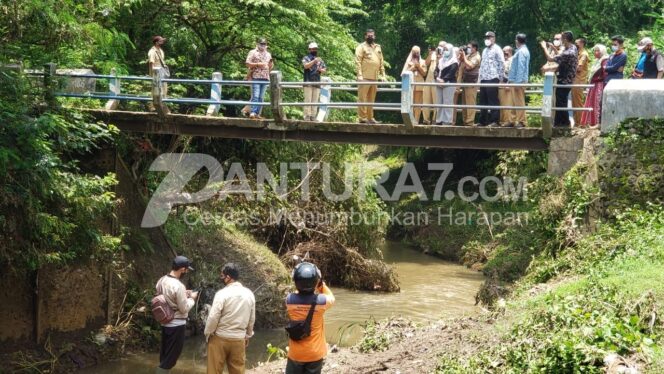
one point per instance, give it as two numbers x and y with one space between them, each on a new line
487 42
614 48
556 42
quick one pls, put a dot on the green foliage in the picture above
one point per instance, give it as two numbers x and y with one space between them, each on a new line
274 352
61 208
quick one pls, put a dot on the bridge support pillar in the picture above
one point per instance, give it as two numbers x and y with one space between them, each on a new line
114 90
547 105
215 94
276 97
158 92
49 84
407 99
325 98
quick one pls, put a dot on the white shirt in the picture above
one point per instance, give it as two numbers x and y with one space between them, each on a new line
232 314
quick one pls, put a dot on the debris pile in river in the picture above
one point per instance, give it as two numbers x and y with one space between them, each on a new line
346 267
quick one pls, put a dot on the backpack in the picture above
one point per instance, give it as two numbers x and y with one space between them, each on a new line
298 330
161 311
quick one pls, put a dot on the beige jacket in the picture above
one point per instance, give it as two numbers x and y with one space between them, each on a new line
369 62
233 313
176 296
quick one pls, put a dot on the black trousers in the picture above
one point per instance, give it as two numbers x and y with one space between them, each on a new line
562 116
489 96
172 341
294 367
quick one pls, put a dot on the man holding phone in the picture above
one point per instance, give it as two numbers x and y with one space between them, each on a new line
259 61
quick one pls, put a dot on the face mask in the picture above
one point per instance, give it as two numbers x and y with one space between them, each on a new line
370 39
262 48
487 42
469 51
314 53
447 54
556 42
614 48
416 56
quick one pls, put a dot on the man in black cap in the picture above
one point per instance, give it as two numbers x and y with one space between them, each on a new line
181 300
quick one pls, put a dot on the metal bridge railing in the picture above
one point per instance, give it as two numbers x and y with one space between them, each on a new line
276 86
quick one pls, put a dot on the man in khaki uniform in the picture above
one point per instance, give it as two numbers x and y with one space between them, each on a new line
470 62
505 93
369 66
429 92
581 78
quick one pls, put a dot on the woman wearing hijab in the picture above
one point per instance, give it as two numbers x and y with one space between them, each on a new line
416 65
446 73
594 98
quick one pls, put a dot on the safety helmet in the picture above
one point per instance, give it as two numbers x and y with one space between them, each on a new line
306 276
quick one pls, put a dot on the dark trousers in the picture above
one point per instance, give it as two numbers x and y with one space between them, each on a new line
294 367
562 116
172 341
489 96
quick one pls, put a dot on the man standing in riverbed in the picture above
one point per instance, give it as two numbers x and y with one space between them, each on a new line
230 324
313 298
181 300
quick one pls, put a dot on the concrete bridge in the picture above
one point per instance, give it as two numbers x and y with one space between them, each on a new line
280 127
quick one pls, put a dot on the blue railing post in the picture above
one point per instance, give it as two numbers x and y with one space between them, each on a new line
215 94
548 101
276 97
407 99
325 98
113 90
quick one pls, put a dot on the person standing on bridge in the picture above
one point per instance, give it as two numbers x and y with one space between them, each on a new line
505 93
446 73
156 59
581 78
429 92
594 98
415 64
314 66
306 309
370 67
617 61
567 62
519 74
259 61
651 62
230 324
181 300
470 64
492 70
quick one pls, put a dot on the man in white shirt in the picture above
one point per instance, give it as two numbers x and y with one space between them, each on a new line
181 300
230 324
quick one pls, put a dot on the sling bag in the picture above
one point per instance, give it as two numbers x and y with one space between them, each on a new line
161 311
298 330
165 71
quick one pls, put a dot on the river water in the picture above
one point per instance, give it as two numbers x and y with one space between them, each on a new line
430 289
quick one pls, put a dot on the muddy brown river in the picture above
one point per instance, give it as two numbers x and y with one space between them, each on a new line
430 289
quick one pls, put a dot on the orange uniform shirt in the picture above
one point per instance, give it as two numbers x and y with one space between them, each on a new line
314 347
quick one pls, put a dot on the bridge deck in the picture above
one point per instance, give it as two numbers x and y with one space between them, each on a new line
336 132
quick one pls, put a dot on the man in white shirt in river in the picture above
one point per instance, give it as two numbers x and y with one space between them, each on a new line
181 300
230 324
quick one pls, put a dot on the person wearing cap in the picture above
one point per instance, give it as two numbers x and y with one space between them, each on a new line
369 66
492 69
156 58
615 66
307 355
567 62
259 62
314 66
181 300
583 64
230 324
470 62
651 62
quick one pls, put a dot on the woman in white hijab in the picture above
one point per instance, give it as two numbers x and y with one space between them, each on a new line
594 98
446 73
416 65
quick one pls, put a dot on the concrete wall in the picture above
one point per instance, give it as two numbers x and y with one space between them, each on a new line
631 98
